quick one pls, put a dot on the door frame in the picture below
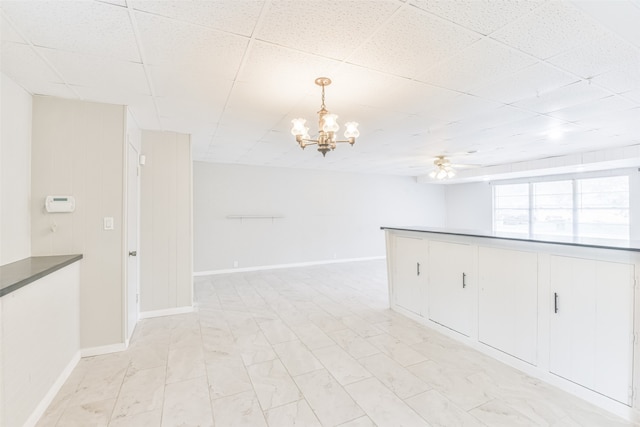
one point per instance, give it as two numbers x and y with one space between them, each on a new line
131 151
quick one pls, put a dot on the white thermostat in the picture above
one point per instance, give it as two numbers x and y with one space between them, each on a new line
60 203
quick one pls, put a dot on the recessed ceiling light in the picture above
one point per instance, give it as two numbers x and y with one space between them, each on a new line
555 134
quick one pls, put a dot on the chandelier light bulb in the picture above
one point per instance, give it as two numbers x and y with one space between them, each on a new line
351 130
298 127
330 123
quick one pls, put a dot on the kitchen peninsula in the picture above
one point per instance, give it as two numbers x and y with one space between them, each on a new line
560 309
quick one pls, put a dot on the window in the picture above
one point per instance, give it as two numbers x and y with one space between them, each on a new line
552 208
602 206
511 208
592 207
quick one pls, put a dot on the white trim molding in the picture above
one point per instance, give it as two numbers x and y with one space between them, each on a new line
278 266
165 312
105 349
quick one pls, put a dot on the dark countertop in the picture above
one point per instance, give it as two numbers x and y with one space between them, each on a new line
616 244
20 273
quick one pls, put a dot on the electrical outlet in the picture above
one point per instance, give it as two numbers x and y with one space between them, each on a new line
235 264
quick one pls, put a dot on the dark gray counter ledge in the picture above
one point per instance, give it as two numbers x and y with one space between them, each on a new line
20 273
623 245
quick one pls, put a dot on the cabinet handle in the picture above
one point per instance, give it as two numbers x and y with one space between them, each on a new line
418 268
555 302
464 283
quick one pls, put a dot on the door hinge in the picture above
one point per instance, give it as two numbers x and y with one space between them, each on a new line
634 338
632 393
137 297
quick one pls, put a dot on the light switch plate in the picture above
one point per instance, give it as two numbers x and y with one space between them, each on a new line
108 223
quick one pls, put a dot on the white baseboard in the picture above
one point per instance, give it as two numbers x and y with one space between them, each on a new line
105 349
165 312
53 391
278 266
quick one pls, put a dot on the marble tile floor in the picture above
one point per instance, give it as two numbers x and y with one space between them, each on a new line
312 346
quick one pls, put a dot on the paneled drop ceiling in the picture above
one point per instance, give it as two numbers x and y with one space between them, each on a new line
486 82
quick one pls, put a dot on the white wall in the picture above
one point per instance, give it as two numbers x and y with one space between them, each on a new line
15 172
78 150
325 215
469 206
634 205
165 223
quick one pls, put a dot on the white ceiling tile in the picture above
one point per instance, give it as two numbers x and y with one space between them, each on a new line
188 84
620 17
599 56
122 3
353 85
529 82
23 65
144 114
97 71
7 32
581 112
551 29
483 16
111 95
620 80
412 42
171 43
616 123
564 97
77 26
633 95
488 118
299 25
185 115
481 64
461 107
278 79
237 17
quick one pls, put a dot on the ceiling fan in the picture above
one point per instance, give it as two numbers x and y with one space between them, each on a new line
443 169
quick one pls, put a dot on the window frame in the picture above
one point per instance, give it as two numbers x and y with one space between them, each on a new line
575 229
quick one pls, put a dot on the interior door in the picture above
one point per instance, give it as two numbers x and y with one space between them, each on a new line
410 274
133 220
451 285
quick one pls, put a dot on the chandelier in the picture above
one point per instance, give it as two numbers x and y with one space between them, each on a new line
328 125
443 169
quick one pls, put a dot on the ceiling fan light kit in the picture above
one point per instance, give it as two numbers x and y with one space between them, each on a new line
327 125
443 169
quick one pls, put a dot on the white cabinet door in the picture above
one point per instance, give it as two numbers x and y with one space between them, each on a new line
409 283
508 301
451 285
592 324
